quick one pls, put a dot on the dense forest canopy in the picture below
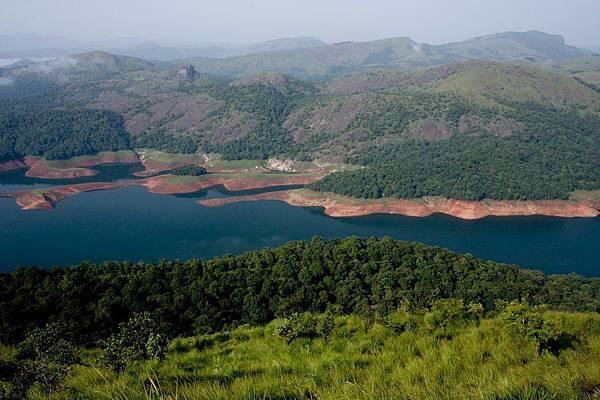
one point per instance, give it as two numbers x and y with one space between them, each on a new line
350 275
36 118
60 134
557 153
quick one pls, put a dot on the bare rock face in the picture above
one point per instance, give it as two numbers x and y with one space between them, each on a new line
183 74
275 164
187 72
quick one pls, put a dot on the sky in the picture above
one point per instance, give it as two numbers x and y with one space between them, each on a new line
246 21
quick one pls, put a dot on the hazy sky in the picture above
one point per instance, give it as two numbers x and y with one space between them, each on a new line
330 20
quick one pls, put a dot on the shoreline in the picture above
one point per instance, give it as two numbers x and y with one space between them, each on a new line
333 205
339 206
242 179
46 199
75 167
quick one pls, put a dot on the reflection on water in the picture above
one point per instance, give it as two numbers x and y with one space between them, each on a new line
220 192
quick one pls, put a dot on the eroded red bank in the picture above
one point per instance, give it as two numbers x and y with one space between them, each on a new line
163 184
422 208
75 168
11 165
335 206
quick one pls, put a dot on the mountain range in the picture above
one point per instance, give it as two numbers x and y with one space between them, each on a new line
303 55
35 46
346 102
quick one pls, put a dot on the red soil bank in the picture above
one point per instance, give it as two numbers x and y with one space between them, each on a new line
160 184
76 168
10 165
47 200
422 208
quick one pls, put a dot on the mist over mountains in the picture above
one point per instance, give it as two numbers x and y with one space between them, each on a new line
301 54
36 46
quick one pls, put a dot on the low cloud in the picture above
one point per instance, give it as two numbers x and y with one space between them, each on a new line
5 81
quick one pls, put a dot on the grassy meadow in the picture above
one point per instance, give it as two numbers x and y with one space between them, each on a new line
402 356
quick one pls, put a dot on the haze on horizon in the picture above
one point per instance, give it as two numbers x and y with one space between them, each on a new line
238 21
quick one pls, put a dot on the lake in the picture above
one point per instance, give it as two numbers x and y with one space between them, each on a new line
133 224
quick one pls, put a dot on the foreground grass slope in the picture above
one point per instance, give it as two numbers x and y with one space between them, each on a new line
359 359
339 319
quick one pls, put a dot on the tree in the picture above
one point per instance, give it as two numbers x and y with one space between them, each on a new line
137 339
44 358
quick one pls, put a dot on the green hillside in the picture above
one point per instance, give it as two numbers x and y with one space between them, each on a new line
346 318
504 130
487 82
406 355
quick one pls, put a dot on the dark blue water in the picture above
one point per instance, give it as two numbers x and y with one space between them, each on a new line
17 180
132 224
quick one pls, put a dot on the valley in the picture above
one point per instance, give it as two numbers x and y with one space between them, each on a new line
368 216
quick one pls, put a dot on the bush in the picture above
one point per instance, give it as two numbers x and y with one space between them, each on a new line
137 339
298 326
401 320
532 323
190 170
325 325
44 358
447 316
48 344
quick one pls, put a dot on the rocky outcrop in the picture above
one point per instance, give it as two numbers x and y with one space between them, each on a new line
185 73
276 164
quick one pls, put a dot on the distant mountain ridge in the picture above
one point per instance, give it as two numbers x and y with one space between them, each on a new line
513 45
33 46
401 52
304 56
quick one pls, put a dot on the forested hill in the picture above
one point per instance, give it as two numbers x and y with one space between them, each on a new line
473 129
38 119
347 275
558 153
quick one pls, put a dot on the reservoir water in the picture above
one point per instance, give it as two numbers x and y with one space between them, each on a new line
133 224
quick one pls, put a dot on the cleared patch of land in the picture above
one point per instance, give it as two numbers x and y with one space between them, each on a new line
155 161
76 167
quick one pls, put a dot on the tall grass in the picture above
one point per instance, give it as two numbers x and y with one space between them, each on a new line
478 361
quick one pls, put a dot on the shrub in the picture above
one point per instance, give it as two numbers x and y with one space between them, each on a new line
532 323
48 344
298 326
447 316
44 358
401 320
137 339
326 324
191 170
